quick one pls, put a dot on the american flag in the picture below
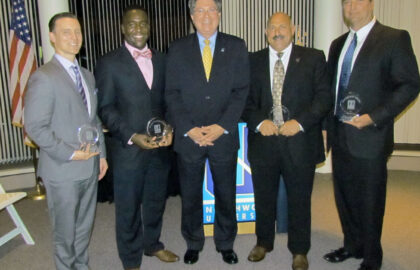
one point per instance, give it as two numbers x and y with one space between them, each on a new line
22 60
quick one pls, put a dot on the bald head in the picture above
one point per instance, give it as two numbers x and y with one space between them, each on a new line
277 15
279 31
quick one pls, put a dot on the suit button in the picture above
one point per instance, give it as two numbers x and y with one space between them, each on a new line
207 97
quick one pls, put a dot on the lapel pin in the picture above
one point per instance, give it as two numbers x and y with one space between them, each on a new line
297 60
222 49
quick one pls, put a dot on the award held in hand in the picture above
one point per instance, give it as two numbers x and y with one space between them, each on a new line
157 128
350 107
88 137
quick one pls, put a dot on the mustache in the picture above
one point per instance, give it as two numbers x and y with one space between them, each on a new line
278 37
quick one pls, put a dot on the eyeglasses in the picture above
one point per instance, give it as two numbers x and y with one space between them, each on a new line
202 11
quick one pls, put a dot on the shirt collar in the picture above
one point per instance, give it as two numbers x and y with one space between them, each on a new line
212 39
132 49
273 52
364 31
67 64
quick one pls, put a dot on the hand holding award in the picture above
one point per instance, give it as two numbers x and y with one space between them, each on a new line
88 137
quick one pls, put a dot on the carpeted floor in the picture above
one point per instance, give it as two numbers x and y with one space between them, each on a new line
401 235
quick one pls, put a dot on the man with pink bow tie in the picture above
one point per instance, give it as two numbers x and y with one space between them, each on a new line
130 80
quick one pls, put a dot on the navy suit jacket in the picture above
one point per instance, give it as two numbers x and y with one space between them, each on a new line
306 94
194 102
386 77
126 103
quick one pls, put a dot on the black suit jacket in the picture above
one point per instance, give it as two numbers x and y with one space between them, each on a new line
126 103
385 75
306 94
194 102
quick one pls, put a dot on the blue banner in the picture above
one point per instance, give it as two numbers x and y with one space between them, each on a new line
245 207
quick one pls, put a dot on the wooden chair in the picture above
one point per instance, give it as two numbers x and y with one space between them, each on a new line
6 201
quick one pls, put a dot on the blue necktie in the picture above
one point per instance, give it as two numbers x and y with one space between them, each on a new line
345 74
79 84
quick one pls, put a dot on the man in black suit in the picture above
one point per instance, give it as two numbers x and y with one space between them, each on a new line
131 85
207 79
374 68
293 148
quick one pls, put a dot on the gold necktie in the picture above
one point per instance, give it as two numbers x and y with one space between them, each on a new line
278 79
207 58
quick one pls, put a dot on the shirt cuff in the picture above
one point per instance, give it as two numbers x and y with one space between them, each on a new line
130 142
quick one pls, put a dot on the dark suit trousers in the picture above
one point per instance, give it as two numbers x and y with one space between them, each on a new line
140 197
191 172
299 182
359 188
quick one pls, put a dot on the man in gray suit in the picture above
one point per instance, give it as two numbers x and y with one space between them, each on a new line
59 102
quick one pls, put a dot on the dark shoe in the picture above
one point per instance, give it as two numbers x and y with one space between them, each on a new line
191 256
339 255
300 262
164 255
257 254
135 268
229 256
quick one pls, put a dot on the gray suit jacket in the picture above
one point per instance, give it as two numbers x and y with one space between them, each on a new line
54 111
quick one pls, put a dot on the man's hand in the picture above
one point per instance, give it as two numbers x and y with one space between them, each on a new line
83 153
167 139
144 141
103 167
268 128
212 133
290 128
197 135
360 121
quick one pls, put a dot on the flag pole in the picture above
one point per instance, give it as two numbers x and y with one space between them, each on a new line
39 193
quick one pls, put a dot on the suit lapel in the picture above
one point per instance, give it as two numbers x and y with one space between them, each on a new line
335 58
156 70
65 74
219 58
265 76
294 61
364 53
91 91
70 83
130 65
196 59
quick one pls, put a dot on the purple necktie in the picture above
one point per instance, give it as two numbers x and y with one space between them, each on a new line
79 84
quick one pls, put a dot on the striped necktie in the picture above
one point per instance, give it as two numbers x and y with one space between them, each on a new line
79 84
207 58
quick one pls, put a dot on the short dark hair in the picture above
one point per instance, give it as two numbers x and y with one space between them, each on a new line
53 20
191 5
132 7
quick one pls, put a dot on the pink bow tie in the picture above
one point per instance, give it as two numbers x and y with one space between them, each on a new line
147 54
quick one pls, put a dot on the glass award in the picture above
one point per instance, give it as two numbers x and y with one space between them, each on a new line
88 136
350 106
279 115
157 128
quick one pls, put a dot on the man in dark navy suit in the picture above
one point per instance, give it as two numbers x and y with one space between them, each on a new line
131 84
374 68
207 79
297 77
